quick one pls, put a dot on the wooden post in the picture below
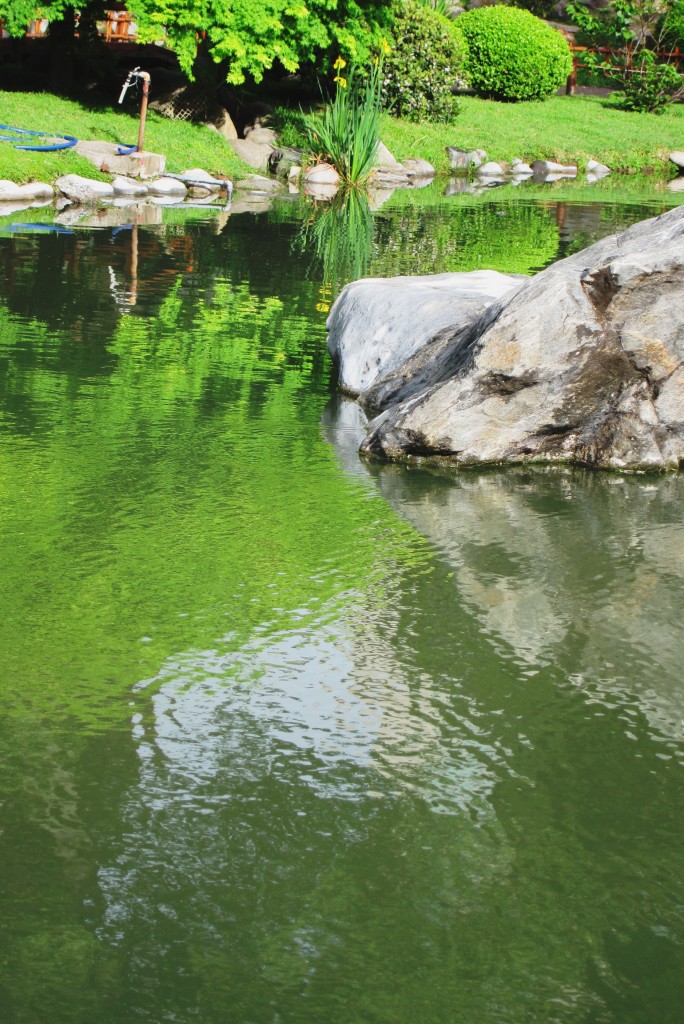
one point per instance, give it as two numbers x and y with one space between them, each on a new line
571 84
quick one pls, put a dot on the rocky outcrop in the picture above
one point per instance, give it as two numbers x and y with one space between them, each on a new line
377 324
583 363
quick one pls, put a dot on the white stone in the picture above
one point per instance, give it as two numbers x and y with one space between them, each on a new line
597 169
321 174
196 174
128 186
320 192
520 168
678 158
9 192
167 187
84 190
491 170
547 167
418 168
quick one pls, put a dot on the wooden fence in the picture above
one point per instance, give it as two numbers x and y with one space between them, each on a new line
674 56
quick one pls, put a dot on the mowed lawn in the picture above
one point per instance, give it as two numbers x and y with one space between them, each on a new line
185 145
563 128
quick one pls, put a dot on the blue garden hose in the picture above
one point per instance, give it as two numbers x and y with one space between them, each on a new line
68 142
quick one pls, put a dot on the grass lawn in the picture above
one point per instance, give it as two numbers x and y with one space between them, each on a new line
564 128
568 129
185 145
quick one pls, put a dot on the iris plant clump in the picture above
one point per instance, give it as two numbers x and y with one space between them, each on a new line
346 133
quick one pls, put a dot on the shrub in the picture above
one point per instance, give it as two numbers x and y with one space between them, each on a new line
635 30
426 58
511 55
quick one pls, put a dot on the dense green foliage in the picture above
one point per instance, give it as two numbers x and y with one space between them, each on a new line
245 39
426 58
346 133
671 25
636 31
512 55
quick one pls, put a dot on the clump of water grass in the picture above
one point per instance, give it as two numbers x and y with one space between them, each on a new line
346 133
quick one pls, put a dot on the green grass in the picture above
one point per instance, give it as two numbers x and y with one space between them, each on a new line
564 128
185 145
569 129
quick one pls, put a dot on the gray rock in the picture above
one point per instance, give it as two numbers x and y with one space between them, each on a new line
106 157
582 364
254 155
491 170
377 323
596 169
547 170
259 183
520 169
418 169
262 136
461 160
381 178
385 160
84 190
223 124
677 159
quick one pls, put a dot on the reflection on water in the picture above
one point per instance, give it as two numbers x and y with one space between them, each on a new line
288 736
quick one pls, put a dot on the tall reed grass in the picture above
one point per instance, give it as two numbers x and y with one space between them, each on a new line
346 133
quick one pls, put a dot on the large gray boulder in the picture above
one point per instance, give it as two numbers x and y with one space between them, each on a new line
378 323
584 363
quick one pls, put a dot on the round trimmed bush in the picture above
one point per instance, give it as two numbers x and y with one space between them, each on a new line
511 55
426 58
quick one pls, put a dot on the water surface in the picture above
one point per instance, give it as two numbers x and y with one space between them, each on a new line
288 737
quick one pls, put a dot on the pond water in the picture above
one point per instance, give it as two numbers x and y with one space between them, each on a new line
288 738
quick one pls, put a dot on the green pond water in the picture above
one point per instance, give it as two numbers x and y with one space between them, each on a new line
288 738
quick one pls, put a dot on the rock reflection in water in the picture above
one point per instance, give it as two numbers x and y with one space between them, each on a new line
561 567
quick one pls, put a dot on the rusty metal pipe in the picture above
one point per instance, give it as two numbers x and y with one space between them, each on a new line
145 76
